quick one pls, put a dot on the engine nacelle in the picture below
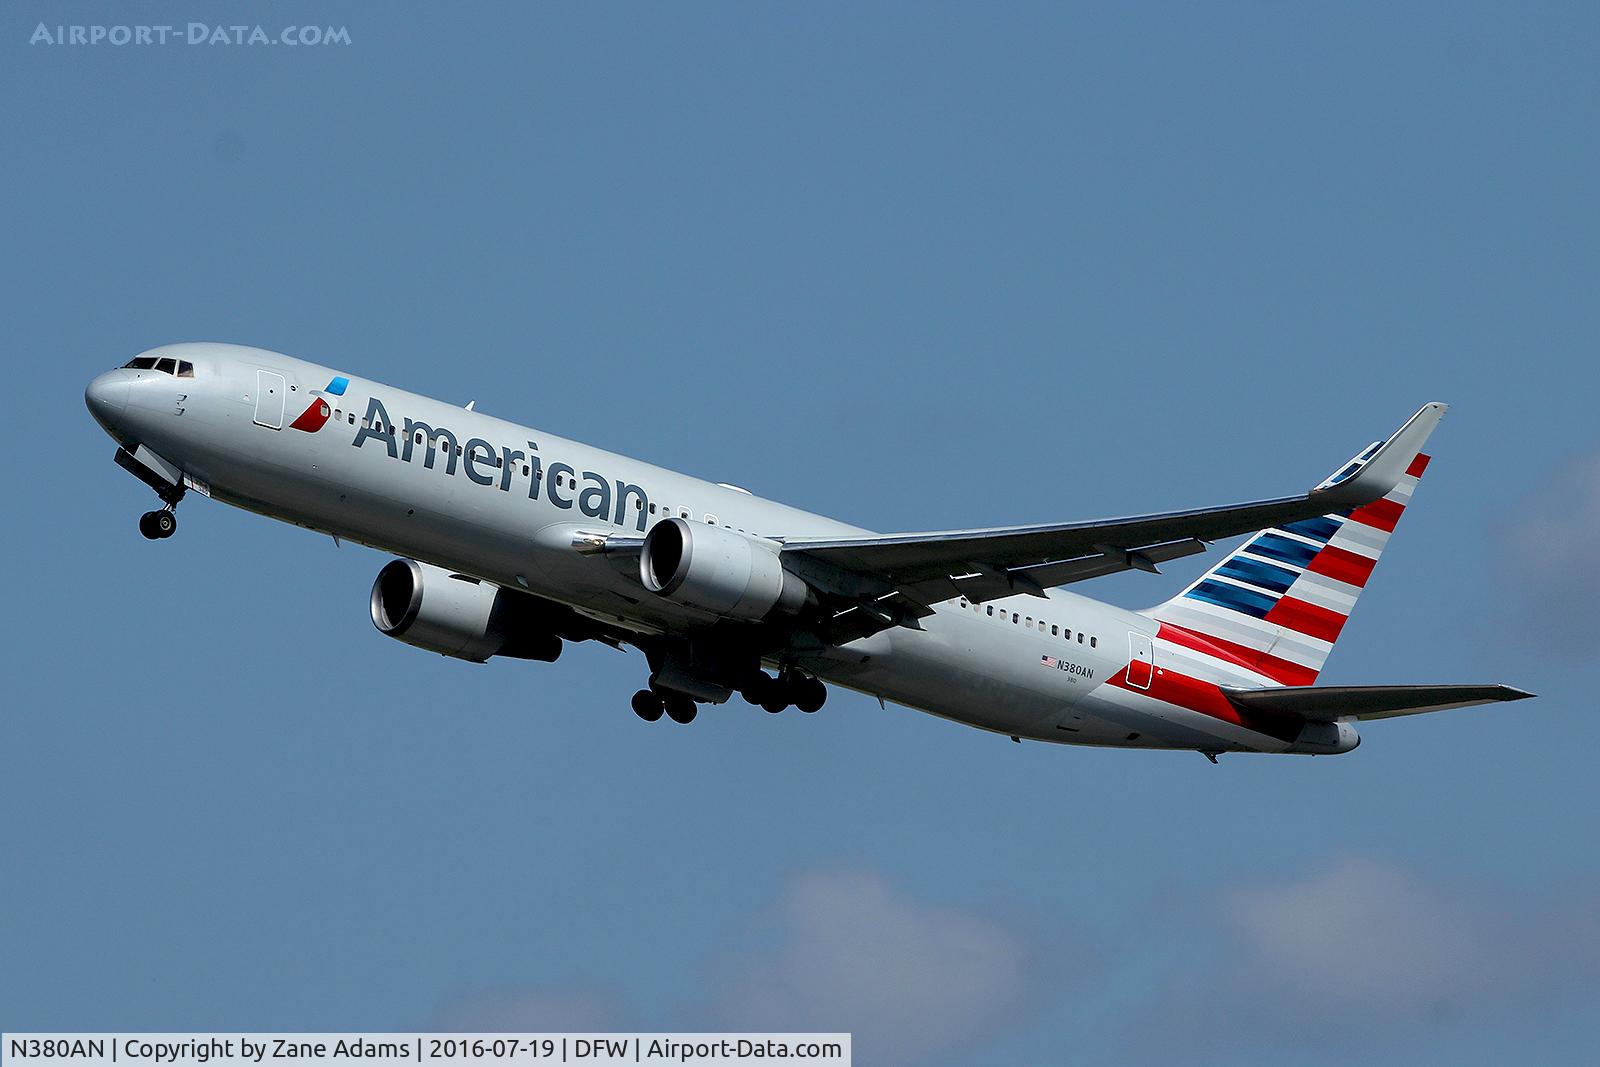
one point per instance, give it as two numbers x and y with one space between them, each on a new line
718 570
454 615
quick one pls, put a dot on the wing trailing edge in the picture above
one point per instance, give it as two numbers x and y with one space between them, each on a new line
984 564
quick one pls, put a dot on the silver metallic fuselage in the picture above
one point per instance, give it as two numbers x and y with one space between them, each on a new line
502 525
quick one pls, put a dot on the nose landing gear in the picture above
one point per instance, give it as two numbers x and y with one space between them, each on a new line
165 479
157 525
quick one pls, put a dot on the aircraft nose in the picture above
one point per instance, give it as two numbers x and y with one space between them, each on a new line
107 396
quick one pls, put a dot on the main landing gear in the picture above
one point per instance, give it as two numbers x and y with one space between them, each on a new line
157 525
773 694
789 687
651 704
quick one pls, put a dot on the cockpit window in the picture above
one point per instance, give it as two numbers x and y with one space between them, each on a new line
165 364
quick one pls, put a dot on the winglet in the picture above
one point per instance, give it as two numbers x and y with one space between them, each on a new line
1378 469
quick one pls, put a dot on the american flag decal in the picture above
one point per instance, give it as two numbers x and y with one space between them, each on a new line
1047 661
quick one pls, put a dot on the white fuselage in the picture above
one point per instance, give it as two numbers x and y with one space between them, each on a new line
506 508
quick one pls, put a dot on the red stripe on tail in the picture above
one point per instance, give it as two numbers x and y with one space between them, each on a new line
1306 618
1382 514
1342 566
1207 698
1279 670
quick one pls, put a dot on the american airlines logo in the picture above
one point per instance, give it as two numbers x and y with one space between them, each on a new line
485 464
316 416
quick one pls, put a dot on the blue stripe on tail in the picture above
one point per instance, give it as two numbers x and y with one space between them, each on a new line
1264 575
1234 598
1320 529
1283 549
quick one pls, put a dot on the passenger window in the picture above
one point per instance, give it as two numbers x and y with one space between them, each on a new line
711 520
1080 637
1055 631
185 369
1066 633
1094 642
652 509
683 513
352 418
1013 618
991 609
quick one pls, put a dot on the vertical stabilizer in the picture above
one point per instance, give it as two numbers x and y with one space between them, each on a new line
1270 612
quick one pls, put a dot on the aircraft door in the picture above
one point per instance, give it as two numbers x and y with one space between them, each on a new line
1141 660
270 388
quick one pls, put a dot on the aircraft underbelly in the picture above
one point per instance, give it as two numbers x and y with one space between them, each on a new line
952 669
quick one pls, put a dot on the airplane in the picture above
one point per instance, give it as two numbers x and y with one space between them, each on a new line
512 542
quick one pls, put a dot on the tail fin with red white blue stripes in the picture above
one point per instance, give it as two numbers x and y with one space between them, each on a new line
1270 612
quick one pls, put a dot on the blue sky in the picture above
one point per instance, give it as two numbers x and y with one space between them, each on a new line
914 266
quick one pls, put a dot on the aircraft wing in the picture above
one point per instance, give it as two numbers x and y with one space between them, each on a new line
901 574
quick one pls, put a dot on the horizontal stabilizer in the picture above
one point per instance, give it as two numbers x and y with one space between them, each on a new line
1330 702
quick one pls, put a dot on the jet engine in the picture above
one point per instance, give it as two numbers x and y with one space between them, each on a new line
718 570
455 615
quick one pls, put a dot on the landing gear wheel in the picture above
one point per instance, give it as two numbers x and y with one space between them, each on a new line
158 524
809 695
680 709
756 689
647 705
774 700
